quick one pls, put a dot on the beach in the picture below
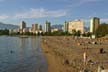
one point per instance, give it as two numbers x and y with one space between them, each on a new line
66 54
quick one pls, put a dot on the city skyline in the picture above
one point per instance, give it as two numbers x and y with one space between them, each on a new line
57 11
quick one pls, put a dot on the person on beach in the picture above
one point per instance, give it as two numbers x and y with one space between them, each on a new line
85 58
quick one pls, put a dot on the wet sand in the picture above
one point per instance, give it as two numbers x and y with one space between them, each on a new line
65 54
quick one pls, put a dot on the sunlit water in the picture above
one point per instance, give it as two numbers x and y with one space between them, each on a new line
21 55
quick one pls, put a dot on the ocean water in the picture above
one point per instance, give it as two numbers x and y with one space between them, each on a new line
21 55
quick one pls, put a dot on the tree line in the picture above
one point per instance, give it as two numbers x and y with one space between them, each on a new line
102 30
4 32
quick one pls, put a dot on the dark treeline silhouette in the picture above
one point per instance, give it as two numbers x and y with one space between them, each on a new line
4 32
102 30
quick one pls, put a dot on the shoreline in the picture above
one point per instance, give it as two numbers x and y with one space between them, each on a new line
52 60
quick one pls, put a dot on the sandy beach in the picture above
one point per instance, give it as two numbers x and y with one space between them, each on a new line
65 54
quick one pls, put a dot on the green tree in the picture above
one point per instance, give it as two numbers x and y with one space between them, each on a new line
78 33
88 34
4 32
102 30
74 32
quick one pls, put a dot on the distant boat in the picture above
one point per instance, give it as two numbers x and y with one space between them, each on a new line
23 36
11 51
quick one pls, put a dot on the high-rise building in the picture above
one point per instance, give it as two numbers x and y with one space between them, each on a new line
66 26
47 26
76 25
22 25
40 27
94 24
34 27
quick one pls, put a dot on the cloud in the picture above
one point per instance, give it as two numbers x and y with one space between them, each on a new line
35 13
104 20
40 13
81 2
4 17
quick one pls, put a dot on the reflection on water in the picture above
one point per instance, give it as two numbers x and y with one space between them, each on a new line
21 55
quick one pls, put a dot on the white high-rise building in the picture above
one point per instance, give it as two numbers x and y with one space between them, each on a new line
66 26
22 25
94 24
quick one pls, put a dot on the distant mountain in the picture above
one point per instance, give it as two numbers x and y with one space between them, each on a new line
86 29
7 26
59 27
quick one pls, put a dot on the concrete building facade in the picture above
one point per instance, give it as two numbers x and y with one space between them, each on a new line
94 24
34 27
76 25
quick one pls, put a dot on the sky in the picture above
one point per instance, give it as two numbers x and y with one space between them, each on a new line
55 11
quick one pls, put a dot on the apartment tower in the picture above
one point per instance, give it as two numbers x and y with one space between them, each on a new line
22 25
94 24
76 25
66 26
47 26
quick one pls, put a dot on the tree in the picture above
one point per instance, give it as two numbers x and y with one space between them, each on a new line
78 33
88 34
4 32
102 30
74 32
